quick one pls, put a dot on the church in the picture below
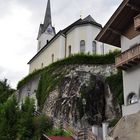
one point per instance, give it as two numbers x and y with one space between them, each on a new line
79 37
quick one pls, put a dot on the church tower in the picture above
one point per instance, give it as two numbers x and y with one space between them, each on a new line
46 30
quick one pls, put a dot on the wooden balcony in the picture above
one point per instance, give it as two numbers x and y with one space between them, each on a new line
128 58
137 22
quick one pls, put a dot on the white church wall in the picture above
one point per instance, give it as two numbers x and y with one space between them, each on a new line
92 32
62 47
45 57
71 40
84 32
109 48
28 90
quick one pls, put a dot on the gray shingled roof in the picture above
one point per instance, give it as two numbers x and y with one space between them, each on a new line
47 19
87 20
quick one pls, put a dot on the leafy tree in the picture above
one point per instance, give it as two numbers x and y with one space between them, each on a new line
5 91
42 124
8 119
26 127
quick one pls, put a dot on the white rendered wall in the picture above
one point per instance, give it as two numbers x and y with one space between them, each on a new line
45 57
28 90
88 33
109 48
62 47
127 43
85 32
131 82
131 109
131 77
44 37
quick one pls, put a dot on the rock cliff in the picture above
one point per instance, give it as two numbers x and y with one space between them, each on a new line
80 82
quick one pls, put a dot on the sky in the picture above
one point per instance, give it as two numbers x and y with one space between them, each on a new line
19 24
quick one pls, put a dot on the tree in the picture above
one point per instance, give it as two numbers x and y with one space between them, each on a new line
26 127
5 91
42 124
8 119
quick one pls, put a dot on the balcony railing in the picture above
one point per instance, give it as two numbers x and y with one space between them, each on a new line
128 58
137 22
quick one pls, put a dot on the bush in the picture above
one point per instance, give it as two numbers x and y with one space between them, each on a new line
42 124
113 122
115 82
58 132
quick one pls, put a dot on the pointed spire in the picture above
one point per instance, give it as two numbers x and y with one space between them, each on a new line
47 19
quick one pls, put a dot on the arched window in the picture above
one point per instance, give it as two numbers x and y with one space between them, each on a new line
132 98
42 65
69 50
52 58
94 47
82 46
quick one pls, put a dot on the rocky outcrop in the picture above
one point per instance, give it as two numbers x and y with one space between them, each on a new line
80 82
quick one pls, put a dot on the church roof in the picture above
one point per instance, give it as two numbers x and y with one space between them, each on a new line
47 19
87 20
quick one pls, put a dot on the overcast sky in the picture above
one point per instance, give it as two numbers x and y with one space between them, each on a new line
19 23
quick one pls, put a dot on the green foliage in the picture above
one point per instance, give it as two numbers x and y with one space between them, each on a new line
5 91
58 132
42 124
21 123
26 127
113 122
8 119
48 81
51 75
74 59
116 84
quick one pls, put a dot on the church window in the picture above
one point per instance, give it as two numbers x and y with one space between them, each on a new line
82 46
94 47
69 50
132 98
42 65
52 58
39 45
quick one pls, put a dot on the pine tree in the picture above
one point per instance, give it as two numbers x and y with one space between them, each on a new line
26 127
8 119
5 91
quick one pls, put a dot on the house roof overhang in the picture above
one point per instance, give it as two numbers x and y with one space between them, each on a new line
119 22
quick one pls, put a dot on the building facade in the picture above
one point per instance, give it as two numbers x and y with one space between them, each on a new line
123 30
79 37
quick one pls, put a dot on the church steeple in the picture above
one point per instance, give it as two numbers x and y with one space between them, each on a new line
47 19
46 30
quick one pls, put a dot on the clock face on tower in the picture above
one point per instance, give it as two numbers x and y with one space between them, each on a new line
49 30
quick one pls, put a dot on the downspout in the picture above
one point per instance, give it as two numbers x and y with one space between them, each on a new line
65 46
